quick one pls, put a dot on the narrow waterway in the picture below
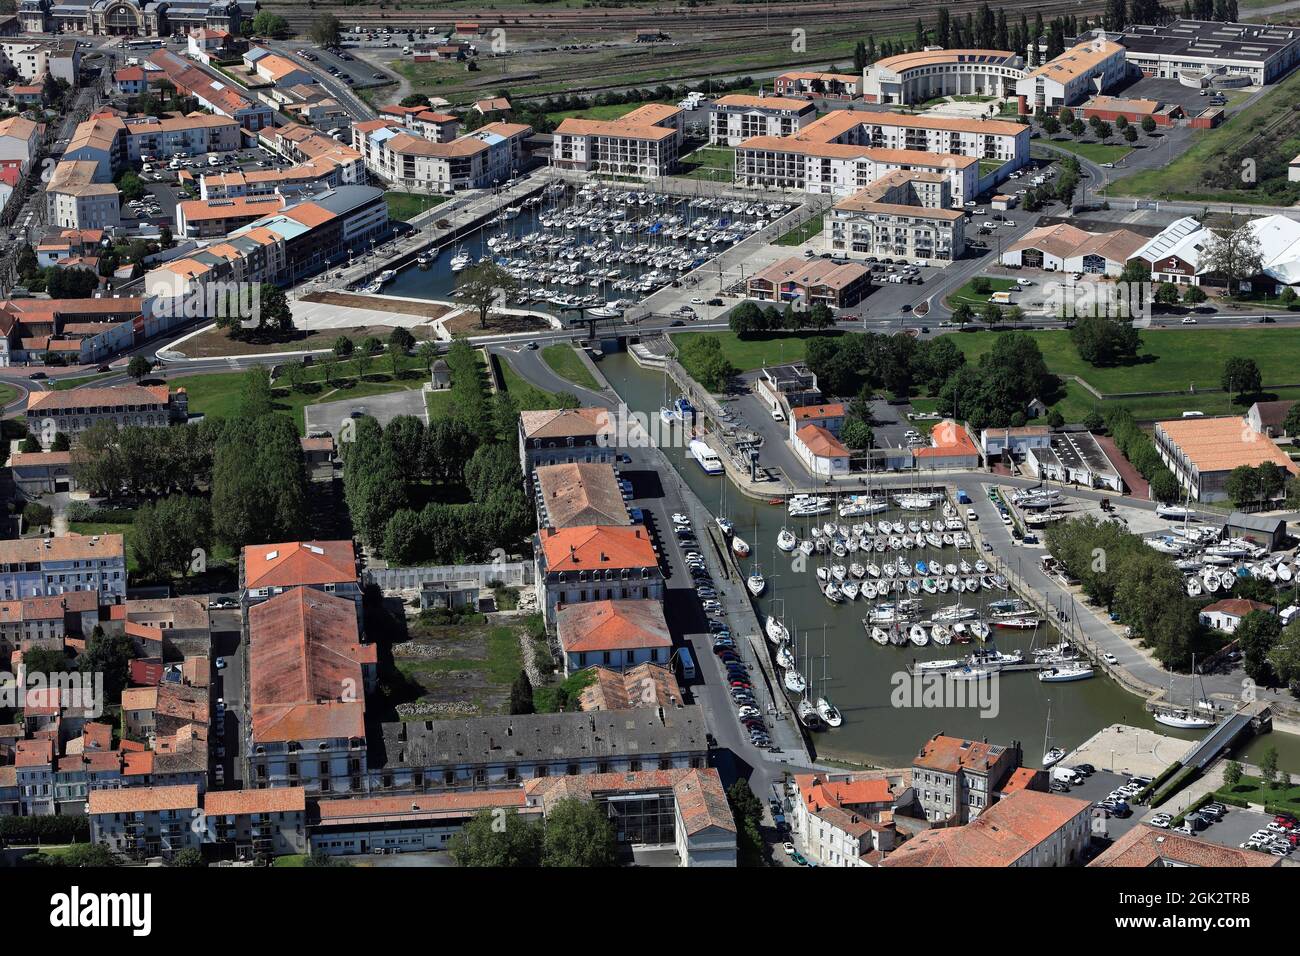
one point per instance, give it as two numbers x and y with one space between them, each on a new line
862 676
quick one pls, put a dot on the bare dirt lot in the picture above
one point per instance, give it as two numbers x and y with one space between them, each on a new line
213 343
467 324
428 310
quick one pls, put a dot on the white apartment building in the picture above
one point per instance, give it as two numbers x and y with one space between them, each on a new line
1085 70
998 140
30 567
485 157
904 213
645 143
73 200
192 135
738 117
925 74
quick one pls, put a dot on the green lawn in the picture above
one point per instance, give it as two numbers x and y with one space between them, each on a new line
291 860
990 166
565 362
1254 790
801 234
757 351
528 396
1097 152
405 206
1263 122
66 383
7 393
1170 359
711 163
977 300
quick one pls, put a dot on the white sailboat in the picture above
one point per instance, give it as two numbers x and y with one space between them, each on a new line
786 540
756 583
1184 718
825 709
1051 755
461 260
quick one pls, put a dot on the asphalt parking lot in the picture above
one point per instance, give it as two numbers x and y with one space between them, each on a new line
1098 787
1236 827
1167 91
328 417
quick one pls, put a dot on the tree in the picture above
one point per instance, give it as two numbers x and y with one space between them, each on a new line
342 347
326 30
1015 315
1234 253
1148 125
482 286
267 24
1256 635
273 311
1195 295
1284 658
168 533
191 857
1165 487
1056 419
1102 341
1130 134
578 833
963 314
1291 424
1268 767
130 185
748 814
138 367
1242 376
111 656
992 313
1167 294
521 694
857 434
255 397
37 515
401 340
1232 774
500 838
96 463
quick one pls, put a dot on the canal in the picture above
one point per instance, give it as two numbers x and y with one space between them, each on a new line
862 677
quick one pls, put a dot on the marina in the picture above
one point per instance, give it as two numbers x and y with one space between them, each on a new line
594 247
875 643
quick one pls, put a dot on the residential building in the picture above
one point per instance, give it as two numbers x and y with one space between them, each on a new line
307 146
787 387
219 95
809 282
985 139
846 819
739 116
644 143
596 563
1201 452
655 813
479 752
20 139
1014 441
821 452
75 198
47 619
72 411
918 77
276 69
145 821
1227 615
824 86
619 634
565 436
31 567
268 570
902 214
1024 829
129 81
257 823
955 778
1269 418
217 218
479 159
307 676
1090 67
579 493
951 447
192 135
34 761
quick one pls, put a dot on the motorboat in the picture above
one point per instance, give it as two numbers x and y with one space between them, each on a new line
917 635
1063 674
808 715
1053 757
706 457
1183 720
756 584
879 635
460 261
833 593
828 712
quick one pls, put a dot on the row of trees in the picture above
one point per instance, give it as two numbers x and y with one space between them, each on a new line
574 833
1254 486
749 318
1138 584
702 358
1137 446
996 392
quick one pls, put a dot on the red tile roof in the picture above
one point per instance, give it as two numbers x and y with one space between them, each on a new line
612 626
298 563
597 548
144 799
1145 846
229 803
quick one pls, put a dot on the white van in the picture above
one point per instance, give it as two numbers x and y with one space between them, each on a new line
1067 775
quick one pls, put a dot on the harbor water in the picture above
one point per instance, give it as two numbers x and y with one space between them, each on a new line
885 720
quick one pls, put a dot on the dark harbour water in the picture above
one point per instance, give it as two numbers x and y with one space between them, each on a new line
863 675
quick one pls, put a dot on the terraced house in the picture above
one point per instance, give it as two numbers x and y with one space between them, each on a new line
596 563
739 116
31 567
72 411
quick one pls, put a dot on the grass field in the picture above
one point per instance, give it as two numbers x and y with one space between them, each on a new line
977 300
607 111
64 384
801 234
1255 790
1170 360
753 352
101 527
406 206
7 394
565 362
528 396
1097 152
1180 179
710 163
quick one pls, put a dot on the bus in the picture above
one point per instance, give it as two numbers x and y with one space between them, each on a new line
687 663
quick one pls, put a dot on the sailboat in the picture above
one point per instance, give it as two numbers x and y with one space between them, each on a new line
460 261
756 583
1054 755
1183 719
667 412
825 709
786 540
